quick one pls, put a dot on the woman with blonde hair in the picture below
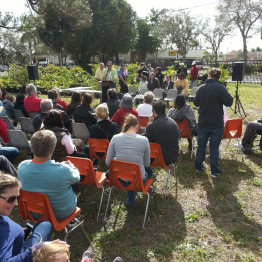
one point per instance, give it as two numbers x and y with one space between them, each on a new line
55 251
12 245
130 147
104 129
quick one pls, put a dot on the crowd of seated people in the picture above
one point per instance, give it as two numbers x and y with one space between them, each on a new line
115 120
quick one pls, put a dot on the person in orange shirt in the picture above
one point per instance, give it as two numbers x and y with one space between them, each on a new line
181 84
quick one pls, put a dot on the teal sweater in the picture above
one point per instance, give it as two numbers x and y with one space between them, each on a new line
54 180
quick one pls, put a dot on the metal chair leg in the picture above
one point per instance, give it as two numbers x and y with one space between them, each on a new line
147 203
240 149
108 202
101 200
192 149
168 177
66 233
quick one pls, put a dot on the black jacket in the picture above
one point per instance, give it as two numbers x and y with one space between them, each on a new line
104 130
83 114
210 98
153 84
163 130
113 106
166 86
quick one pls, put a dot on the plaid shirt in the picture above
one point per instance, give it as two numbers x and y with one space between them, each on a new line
186 112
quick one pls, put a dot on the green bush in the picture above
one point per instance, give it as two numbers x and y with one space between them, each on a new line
49 77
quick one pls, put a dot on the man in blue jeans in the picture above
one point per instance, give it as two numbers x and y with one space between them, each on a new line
210 98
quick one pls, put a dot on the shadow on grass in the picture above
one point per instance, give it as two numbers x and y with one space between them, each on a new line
124 236
225 209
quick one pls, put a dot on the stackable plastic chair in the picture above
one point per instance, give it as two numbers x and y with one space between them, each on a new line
157 160
39 203
92 177
142 122
183 126
233 129
158 92
192 95
143 91
171 95
18 139
8 122
120 170
97 146
33 114
18 114
80 131
132 90
27 125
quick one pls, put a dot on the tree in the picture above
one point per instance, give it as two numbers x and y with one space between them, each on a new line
113 27
181 30
29 32
244 14
12 51
62 19
215 36
145 42
7 21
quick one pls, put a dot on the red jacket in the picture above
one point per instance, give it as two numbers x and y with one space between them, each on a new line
62 103
119 116
32 104
3 131
194 73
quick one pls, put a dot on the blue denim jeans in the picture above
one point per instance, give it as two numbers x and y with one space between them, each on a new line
215 136
40 233
193 83
131 195
9 152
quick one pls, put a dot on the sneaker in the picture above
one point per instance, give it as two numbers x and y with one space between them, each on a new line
74 222
118 259
86 256
214 175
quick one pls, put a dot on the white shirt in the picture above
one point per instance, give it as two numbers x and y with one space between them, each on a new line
68 143
144 110
142 85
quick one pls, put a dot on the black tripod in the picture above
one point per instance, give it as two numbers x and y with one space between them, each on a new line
238 105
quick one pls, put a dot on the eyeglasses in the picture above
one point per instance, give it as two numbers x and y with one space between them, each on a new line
109 65
10 199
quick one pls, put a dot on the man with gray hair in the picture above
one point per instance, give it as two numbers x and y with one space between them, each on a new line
145 109
153 82
32 102
46 106
43 175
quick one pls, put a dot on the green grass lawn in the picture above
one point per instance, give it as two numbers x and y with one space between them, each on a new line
201 219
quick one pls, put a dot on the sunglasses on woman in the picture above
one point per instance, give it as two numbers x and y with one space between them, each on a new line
10 199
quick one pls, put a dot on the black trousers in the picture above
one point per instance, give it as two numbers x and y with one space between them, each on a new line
253 129
7 167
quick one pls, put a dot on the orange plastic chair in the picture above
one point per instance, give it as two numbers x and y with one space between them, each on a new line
98 146
92 177
132 173
157 160
39 203
183 126
142 122
233 129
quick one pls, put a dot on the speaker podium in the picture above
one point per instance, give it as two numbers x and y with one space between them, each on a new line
105 86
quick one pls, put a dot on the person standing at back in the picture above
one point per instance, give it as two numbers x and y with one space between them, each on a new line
210 98
193 75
